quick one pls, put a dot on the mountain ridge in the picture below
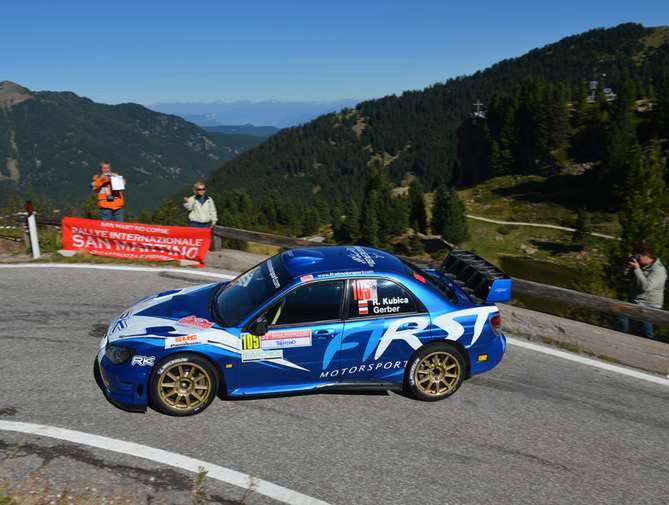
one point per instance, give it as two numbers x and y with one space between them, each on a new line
51 143
416 133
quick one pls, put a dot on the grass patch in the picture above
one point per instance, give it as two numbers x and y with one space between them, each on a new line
5 499
494 242
265 249
532 199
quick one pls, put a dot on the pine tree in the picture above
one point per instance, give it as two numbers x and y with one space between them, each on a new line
369 220
351 227
311 222
582 236
448 216
644 213
662 108
336 220
169 213
621 143
417 212
416 245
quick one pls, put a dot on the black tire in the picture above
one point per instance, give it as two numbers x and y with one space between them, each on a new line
191 394
428 374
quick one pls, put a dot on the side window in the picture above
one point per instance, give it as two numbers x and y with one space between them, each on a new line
315 302
378 297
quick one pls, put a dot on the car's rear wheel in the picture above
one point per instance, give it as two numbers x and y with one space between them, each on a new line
435 372
183 385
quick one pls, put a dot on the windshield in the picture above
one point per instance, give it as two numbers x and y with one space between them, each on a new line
250 290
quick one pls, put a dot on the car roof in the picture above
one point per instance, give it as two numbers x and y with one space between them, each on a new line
340 259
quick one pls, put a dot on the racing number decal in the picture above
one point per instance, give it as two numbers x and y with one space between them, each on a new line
250 342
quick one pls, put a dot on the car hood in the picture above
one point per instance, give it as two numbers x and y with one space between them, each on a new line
165 314
175 319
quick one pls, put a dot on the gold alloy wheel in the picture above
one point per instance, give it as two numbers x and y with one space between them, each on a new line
437 374
184 386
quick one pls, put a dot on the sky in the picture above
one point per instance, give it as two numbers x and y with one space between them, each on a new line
177 51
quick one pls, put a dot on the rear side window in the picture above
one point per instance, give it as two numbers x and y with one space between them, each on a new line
378 297
311 303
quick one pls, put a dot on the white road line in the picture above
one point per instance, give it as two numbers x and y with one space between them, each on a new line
215 472
588 361
202 273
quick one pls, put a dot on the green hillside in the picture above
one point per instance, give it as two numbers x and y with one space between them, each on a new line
51 144
419 133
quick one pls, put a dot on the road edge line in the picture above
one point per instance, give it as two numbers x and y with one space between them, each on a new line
201 273
587 361
168 458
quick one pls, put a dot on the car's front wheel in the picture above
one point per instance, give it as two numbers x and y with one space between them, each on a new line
183 385
435 371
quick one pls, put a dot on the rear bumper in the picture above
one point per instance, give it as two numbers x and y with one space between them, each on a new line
486 356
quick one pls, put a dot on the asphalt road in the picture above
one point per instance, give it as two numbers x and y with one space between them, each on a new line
538 429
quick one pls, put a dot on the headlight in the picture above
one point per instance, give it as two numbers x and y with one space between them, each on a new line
118 355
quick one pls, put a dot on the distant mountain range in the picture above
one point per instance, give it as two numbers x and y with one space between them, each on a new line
52 142
268 112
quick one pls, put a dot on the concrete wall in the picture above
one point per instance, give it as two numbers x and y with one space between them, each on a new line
585 338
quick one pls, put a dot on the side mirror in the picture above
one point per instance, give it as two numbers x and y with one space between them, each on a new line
259 327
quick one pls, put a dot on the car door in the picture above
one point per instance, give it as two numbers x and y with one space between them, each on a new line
384 324
302 325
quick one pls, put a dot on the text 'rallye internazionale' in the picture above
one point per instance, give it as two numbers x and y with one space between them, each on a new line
305 320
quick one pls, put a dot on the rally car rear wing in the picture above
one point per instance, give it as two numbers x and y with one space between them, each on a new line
483 282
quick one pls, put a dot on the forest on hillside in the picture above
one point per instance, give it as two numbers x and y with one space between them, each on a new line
588 145
353 168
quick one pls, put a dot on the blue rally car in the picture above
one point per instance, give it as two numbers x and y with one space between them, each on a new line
304 320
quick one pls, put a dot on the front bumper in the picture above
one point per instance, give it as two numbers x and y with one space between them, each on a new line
125 389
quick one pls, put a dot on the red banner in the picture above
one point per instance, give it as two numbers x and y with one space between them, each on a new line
151 242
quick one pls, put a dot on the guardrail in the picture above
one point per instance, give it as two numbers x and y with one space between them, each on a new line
520 286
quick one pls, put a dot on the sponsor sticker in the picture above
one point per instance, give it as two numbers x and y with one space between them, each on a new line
143 360
261 354
286 339
272 274
245 279
359 255
172 342
365 367
307 278
330 275
365 290
195 322
250 341
120 324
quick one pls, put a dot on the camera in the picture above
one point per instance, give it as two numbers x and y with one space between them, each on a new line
633 257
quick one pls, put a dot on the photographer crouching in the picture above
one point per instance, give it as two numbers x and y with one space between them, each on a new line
647 277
